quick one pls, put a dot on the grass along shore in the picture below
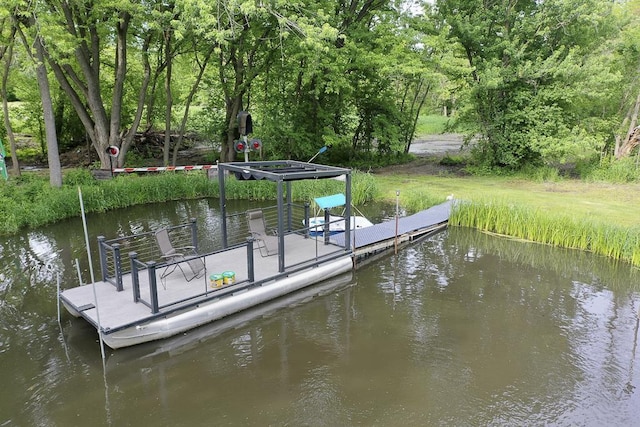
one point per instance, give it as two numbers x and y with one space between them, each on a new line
29 201
596 217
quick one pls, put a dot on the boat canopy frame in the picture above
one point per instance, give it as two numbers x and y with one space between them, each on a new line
283 173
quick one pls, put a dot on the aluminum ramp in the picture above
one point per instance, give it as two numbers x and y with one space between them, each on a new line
386 230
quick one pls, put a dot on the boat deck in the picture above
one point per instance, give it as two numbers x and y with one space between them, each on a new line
306 261
118 310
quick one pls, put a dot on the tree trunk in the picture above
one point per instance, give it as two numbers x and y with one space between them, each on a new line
169 101
192 92
127 140
6 53
53 157
233 101
632 139
122 28
234 106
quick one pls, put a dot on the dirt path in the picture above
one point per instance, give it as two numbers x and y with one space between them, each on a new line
430 150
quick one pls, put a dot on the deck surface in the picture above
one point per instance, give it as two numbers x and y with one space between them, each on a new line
118 308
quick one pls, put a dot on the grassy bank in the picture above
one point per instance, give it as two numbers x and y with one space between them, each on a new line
30 202
596 217
609 203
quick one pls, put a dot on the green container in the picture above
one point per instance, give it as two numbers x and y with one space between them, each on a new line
216 280
229 277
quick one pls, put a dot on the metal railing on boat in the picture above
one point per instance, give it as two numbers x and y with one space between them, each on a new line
143 252
110 251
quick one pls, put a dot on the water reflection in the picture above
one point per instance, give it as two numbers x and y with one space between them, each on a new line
523 320
463 328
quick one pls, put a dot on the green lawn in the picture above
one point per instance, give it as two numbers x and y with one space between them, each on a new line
433 124
609 203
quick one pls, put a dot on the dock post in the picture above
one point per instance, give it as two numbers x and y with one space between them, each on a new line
250 269
153 286
325 231
395 243
135 280
223 206
347 214
306 219
103 257
117 265
280 236
194 234
289 207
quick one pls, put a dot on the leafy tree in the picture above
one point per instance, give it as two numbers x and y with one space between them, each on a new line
426 72
248 37
360 94
532 86
76 37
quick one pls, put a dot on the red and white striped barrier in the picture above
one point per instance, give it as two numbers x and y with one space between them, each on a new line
164 168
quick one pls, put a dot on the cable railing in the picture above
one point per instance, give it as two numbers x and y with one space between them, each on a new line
151 267
142 252
144 245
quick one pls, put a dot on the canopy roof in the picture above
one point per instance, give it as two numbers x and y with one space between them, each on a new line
282 170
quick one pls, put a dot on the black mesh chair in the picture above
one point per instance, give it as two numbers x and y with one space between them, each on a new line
178 257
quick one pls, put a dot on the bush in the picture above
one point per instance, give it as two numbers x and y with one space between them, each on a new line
540 173
609 169
75 177
364 161
450 160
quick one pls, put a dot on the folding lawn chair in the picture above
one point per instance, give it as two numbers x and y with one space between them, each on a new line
177 257
267 243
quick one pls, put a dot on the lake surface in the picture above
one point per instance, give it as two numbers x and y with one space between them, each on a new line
460 329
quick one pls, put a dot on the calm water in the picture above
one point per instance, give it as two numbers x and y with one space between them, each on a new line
460 329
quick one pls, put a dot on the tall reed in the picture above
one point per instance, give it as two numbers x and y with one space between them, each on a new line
418 200
620 243
31 202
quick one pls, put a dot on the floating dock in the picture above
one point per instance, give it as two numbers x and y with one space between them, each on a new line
381 237
140 299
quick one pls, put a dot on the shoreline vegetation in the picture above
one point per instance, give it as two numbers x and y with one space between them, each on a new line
588 216
598 218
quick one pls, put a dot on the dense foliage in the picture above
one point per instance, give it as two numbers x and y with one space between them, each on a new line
541 88
530 82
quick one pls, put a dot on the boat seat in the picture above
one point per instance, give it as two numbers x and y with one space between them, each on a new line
177 257
267 243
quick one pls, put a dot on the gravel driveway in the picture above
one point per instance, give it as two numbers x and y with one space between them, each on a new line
436 144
